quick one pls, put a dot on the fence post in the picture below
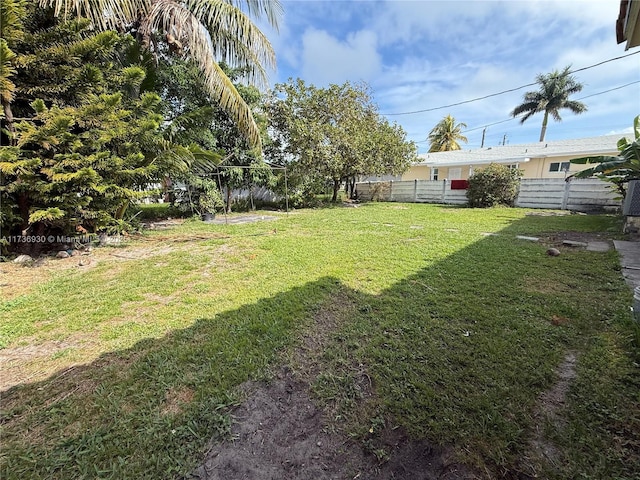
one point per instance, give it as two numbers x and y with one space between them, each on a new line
444 190
565 196
391 191
517 200
415 190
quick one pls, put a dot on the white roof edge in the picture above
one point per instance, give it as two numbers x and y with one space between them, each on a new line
454 163
488 155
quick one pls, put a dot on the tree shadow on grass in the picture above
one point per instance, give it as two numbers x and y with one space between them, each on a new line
456 354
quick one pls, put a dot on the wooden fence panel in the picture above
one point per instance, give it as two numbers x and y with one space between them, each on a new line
541 193
581 195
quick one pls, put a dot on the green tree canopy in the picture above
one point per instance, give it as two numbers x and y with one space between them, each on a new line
446 135
333 134
191 119
552 96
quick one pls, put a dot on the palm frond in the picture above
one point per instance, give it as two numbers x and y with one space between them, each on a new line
269 9
236 40
575 106
168 15
105 14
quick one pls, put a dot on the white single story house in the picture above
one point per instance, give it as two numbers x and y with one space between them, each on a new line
550 159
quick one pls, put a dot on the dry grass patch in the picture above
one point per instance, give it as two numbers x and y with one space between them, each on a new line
545 285
176 399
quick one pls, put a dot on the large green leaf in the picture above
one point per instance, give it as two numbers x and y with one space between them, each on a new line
618 169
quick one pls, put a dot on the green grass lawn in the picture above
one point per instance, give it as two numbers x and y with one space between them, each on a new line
136 360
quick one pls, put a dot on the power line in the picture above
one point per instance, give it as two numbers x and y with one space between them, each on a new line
490 124
581 98
506 91
610 90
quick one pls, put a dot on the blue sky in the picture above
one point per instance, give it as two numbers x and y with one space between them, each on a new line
418 55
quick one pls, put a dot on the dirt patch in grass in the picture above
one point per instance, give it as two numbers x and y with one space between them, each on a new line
19 279
140 252
280 431
34 359
548 415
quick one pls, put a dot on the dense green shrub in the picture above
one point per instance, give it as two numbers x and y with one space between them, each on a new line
156 211
493 185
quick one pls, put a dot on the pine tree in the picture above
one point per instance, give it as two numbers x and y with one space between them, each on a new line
88 140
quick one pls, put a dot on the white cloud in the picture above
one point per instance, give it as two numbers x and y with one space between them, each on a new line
622 132
422 54
326 59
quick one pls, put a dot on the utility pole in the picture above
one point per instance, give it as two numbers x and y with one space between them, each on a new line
484 130
504 139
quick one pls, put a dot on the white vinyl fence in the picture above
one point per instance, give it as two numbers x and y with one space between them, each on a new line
583 195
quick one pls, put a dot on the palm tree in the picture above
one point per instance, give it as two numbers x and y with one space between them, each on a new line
205 30
553 95
446 134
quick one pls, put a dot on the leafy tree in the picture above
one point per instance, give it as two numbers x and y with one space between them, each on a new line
493 185
202 30
192 119
552 96
619 169
446 135
332 135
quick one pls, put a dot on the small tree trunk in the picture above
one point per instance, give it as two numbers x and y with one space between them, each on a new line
121 210
167 194
8 118
23 207
228 199
336 189
352 187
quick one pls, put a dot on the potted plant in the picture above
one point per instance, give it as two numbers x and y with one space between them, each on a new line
209 200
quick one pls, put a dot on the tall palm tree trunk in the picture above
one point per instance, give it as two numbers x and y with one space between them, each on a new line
543 130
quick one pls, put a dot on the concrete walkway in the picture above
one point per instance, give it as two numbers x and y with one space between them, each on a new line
598 246
630 261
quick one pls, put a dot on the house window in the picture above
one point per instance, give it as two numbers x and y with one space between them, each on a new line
513 166
434 174
559 167
455 173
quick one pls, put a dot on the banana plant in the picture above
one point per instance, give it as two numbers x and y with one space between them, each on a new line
618 169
